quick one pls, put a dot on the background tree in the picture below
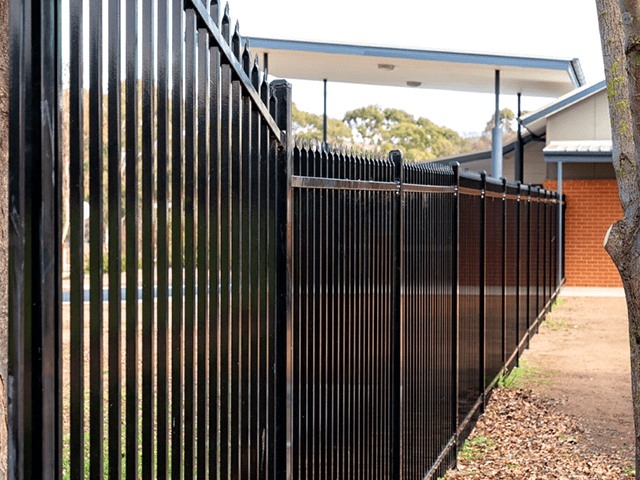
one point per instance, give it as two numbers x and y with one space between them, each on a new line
620 37
391 128
383 130
307 126
506 122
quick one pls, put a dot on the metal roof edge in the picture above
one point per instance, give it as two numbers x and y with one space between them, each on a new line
585 157
577 71
478 156
417 54
563 102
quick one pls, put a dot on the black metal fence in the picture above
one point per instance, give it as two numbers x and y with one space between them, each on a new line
245 307
414 288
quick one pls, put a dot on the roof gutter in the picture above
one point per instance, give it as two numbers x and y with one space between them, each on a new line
577 74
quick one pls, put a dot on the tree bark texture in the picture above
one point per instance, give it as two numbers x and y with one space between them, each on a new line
619 22
4 230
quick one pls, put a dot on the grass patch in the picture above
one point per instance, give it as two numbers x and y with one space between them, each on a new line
555 324
476 448
558 303
524 376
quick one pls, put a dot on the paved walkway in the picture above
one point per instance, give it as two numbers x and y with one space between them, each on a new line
591 292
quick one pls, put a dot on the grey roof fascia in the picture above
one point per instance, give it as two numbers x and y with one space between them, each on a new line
478 156
578 73
578 157
413 54
554 107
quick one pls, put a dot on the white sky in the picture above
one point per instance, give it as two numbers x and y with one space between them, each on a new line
547 28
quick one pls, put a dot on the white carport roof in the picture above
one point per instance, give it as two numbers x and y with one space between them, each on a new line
431 69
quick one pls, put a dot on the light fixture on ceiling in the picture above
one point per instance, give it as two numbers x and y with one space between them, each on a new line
412 83
386 66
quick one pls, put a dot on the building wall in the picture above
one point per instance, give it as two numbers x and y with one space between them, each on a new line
534 166
585 120
592 206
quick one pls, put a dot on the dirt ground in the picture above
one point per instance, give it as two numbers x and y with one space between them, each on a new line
579 360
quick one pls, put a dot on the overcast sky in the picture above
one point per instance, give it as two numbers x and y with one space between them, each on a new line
547 28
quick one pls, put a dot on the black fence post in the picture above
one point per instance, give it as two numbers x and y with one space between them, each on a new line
517 286
563 199
284 278
543 195
482 279
35 282
528 309
504 273
397 313
455 309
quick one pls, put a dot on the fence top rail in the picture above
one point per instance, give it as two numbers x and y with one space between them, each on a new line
366 185
471 174
330 162
235 52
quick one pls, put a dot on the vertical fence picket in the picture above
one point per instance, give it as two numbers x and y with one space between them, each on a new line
190 139
225 252
131 204
177 259
203 262
148 237
236 262
256 259
245 343
215 159
76 242
163 120
95 242
115 248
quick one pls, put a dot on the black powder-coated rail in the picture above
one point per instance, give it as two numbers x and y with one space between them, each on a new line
342 314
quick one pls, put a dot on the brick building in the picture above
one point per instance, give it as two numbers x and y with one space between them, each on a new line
570 139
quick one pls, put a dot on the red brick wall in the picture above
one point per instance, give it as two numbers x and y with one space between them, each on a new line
592 206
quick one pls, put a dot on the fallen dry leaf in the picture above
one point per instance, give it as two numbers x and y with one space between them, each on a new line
520 436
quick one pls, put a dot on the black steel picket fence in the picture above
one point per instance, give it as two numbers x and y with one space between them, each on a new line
238 305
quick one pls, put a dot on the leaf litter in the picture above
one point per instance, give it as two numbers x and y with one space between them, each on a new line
520 436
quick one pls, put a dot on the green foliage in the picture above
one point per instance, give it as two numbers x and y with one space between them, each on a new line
506 122
383 130
391 128
307 126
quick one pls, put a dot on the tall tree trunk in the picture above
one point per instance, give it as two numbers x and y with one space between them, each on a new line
4 231
619 22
